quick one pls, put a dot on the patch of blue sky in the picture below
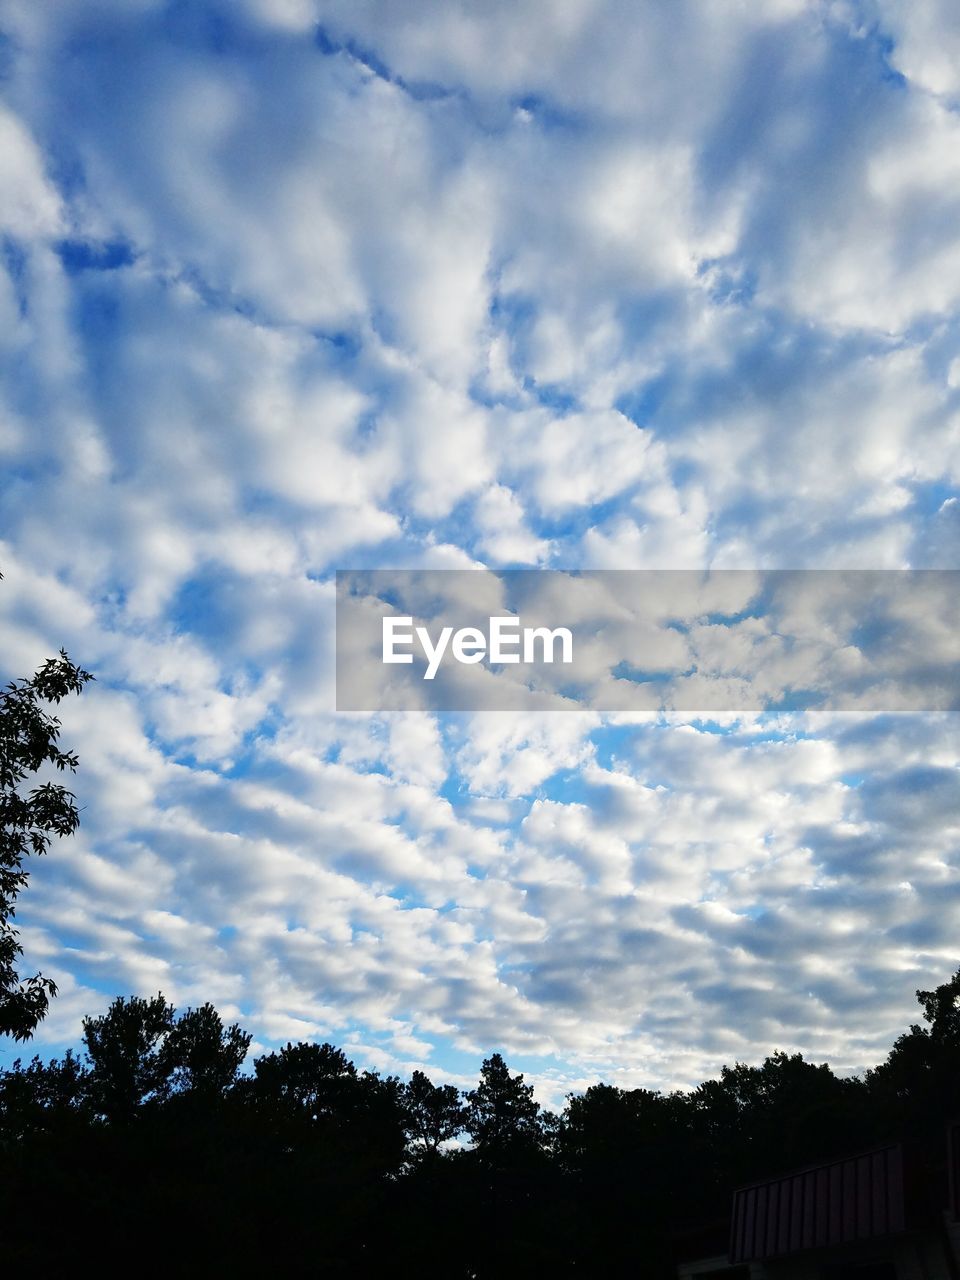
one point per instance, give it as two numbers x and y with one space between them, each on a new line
65 167
514 315
567 786
930 495
443 1054
209 605
251 762
754 912
779 360
211 28
614 750
780 732
748 511
98 308
11 1051
481 394
642 403
873 632
100 314
14 260
611 741
465 1065
330 47
882 46
22 476
659 677
756 98
455 528
831 94
419 90
546 114
346 342
741 730
796 700
714 618
219 298
454 789
646 314
566 528
551 395
90 255
8 54
550 115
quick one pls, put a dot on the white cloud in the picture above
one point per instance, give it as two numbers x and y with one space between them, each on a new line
565 284
926 42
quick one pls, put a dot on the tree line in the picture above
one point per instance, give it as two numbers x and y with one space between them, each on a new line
156 1148
154 1145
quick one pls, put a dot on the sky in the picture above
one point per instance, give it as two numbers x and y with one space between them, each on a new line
292 286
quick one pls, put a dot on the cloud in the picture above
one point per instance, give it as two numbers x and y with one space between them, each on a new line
925 41
297 285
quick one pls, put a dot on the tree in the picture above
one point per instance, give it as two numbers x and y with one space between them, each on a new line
42 1098
502 1117
920 1080
29 738
787 1111
433 1113
628 1153
332 1124
140 1051
610 1128
313 1082
941 1012
200 1057
125 1046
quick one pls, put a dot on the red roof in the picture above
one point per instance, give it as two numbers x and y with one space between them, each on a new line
857 1198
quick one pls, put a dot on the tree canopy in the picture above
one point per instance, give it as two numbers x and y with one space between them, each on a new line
300 1160
29 745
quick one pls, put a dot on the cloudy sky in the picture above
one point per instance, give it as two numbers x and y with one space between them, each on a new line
289 286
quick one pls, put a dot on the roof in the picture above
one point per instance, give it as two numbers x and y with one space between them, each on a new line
859 1197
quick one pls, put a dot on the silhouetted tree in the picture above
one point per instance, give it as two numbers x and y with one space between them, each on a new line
304 1164
941 1011
502 1117
926 1060
322 1139
919 1083
629 1151
29 739
433 1113
787 1111
314 1100
124 1046
43 1098
608 1125
306 1081
200 1057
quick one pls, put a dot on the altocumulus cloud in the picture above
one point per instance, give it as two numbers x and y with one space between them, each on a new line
292 285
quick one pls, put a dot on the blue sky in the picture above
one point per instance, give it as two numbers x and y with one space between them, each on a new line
288 286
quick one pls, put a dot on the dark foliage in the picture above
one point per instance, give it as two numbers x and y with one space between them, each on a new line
29 744
307 1165
433 1114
